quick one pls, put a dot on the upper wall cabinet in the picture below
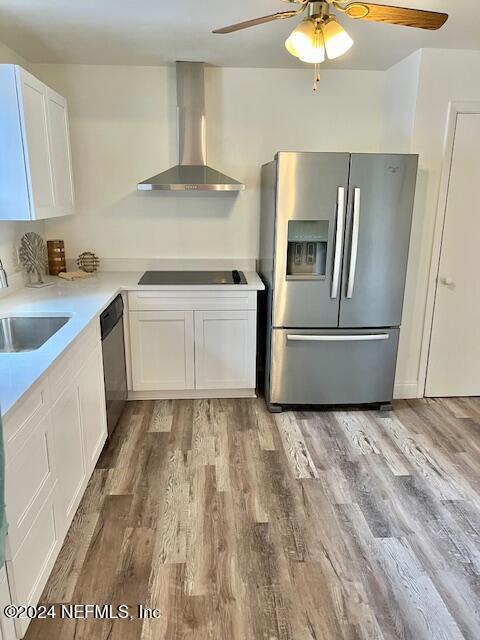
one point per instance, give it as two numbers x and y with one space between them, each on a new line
36 178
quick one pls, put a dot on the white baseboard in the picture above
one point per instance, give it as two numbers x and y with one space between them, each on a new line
192 394
405 390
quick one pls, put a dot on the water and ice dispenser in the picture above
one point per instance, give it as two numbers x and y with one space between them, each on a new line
307 249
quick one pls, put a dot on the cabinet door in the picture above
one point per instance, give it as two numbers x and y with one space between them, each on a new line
38 159
92 406
30 567
162 350
29 478
68 442
14 187
60 153
225 349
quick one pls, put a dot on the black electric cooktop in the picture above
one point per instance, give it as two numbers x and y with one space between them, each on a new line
193 277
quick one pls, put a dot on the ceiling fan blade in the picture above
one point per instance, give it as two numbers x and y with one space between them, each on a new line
396 15
252 23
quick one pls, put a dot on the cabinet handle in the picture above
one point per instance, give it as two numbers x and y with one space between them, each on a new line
354 246
362 337
338 240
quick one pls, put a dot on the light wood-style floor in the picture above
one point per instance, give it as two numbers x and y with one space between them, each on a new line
305 526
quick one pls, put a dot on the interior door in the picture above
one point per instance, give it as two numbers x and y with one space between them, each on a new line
311 199
380 205
453 364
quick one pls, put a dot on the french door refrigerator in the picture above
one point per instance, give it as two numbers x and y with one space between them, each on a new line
334 239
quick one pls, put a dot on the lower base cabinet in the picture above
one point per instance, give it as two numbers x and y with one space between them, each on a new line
202 346
29 568
52 443
67 430
80 431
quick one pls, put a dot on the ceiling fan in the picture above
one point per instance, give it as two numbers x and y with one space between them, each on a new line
321 34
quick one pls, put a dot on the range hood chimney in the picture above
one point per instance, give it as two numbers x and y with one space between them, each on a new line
192 172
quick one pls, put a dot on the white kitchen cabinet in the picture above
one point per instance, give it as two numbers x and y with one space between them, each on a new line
34 534
92 407
31 491
30 478
36 179
79 425
193 343
53 438
225 349
60 153
69 452
29 568
162 350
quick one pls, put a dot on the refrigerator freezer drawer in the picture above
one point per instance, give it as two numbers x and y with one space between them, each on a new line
332 366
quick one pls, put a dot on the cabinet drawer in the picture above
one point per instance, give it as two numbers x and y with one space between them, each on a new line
30 566
24 416
191 300
29 478
332 367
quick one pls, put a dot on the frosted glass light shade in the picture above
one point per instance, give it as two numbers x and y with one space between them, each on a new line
337 40
306 42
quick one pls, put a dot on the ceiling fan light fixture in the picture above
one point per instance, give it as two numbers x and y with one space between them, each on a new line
337 41
306 42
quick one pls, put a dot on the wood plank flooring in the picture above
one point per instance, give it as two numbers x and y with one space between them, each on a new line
241 525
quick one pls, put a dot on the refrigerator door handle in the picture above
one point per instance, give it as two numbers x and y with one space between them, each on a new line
338 241
297 337
354 245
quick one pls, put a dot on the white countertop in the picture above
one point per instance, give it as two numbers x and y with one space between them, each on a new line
83 301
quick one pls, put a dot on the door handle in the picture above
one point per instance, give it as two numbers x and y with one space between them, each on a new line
354 244
338 241
362 337
448 282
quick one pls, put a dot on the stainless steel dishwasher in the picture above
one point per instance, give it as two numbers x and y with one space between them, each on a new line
114 367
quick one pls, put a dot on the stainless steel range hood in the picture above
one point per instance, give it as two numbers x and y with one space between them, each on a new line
192 172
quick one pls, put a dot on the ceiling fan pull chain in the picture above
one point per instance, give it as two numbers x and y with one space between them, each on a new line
316 76
316 72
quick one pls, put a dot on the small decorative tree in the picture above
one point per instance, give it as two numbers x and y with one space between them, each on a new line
33 255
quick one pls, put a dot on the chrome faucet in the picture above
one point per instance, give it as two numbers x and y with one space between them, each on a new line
3 277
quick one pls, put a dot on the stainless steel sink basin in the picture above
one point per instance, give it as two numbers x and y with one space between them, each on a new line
28 333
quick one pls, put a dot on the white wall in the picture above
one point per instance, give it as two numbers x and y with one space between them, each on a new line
11 232
123 130
444 76
401 89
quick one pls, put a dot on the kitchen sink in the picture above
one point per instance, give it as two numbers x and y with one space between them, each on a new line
27 333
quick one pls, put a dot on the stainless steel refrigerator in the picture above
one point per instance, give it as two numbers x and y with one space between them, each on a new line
334 239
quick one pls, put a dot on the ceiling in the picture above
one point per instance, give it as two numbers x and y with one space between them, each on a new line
156 32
